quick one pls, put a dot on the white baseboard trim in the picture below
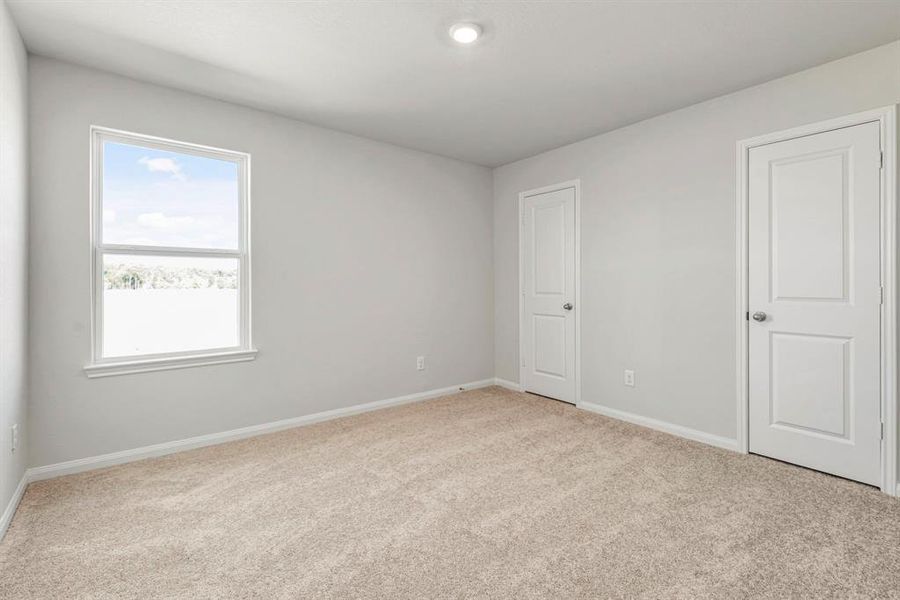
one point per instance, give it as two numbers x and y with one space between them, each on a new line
671 428
10 510
510 385
126 456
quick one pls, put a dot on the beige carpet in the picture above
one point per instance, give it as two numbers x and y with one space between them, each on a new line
483 494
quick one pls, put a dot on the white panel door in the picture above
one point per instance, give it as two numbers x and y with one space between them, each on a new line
814 301
548 328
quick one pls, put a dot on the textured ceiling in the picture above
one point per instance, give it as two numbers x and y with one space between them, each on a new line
545 74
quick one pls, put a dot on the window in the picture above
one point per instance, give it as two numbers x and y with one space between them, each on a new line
171 268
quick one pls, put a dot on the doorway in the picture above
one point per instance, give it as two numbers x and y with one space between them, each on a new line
549 303
817 333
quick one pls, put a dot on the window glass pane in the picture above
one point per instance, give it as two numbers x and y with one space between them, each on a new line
160 198
157 304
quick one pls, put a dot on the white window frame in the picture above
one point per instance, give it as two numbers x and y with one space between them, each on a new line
244 351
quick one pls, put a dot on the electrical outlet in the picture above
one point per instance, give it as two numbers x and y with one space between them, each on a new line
14 438
629 378
420 363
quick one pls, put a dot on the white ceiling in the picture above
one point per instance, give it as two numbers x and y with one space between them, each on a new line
545 74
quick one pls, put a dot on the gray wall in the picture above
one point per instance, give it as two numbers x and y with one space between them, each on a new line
658 247
364 254
13 252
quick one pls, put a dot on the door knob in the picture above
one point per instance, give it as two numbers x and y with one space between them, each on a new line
759 316
567 306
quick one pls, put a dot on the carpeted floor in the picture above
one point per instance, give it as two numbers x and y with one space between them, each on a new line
489 493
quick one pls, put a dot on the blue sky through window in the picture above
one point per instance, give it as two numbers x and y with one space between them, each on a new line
160 198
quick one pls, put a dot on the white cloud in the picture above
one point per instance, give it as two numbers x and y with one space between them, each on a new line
109 215
158 220
195 213
163 165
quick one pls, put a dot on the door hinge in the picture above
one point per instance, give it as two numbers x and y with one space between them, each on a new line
882 430
747 315
881 295
881 160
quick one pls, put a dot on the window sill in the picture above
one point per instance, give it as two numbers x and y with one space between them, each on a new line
109 369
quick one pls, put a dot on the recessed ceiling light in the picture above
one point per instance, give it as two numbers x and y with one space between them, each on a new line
465 33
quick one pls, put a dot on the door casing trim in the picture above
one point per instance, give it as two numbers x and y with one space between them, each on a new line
576 185
886 117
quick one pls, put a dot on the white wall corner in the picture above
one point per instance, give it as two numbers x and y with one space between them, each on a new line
10 510
510 385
